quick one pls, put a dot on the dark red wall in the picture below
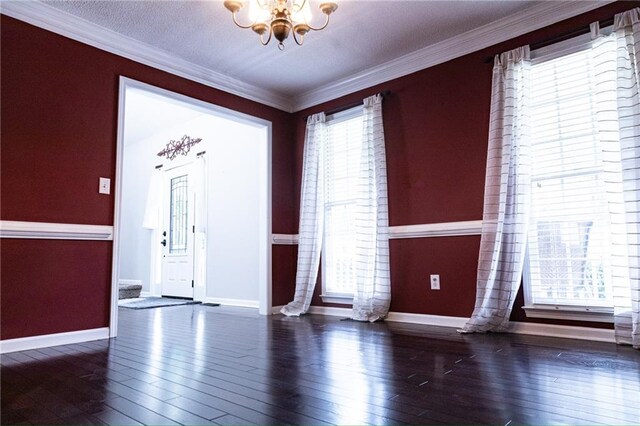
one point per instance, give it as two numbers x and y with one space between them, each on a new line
59 125
54 286
436 125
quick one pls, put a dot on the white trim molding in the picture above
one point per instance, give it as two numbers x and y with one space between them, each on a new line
427 230
442 229
54 231
438 320
240 303
57 339
563 331
530 328
423 319
595 314
76 28
284 239
79 29
330 311
530 19
340 299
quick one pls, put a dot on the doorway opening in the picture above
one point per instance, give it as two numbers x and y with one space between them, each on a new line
197 224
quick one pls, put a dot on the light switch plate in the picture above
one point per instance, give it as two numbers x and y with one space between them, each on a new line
105 186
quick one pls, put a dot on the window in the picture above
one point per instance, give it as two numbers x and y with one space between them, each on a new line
568 266
342 162
178 216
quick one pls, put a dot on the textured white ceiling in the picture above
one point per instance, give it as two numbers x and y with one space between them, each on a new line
362 34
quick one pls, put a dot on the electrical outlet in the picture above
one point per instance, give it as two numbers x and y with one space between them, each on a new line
435 282
104 186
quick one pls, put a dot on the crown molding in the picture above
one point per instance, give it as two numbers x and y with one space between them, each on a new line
75 28
531 19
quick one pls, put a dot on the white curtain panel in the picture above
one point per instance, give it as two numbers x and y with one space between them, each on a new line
506 195
372 295
311 215
627 33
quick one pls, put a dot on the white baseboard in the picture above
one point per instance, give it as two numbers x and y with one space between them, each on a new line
530 328
563 331
57 339
327 310
241 303
145 294
439 320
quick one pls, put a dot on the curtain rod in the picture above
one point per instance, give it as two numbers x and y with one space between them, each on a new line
348 106
561 37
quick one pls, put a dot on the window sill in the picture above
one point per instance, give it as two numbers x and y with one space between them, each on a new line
572 313
343 299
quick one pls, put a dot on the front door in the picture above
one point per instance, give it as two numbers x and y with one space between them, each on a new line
177 260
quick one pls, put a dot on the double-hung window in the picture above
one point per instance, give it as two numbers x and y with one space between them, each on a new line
568 268
341 165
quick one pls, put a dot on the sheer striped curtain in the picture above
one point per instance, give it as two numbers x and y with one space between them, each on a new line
372 295
618 65
311 215
507 194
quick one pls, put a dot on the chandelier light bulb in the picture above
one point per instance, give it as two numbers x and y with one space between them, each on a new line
258 14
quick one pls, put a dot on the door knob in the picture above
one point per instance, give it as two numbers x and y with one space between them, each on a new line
164 242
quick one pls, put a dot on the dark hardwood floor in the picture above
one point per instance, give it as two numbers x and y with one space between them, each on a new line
215 365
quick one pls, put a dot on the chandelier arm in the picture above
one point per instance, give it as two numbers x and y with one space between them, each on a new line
264 43
235 21
300 7
264 6
322 27
299 43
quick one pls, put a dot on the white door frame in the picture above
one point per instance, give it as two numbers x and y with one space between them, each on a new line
265 210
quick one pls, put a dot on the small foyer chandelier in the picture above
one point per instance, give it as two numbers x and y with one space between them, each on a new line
279 18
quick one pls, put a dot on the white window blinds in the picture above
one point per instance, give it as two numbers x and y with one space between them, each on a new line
342 158
569 248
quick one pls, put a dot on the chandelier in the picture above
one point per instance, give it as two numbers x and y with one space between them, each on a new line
279 18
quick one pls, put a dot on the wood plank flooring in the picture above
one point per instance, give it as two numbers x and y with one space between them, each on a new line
197 365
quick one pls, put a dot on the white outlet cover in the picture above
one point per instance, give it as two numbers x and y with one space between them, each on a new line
104 186
435 282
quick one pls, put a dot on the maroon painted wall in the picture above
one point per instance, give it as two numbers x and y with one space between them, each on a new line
54 286
59 126
436 125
